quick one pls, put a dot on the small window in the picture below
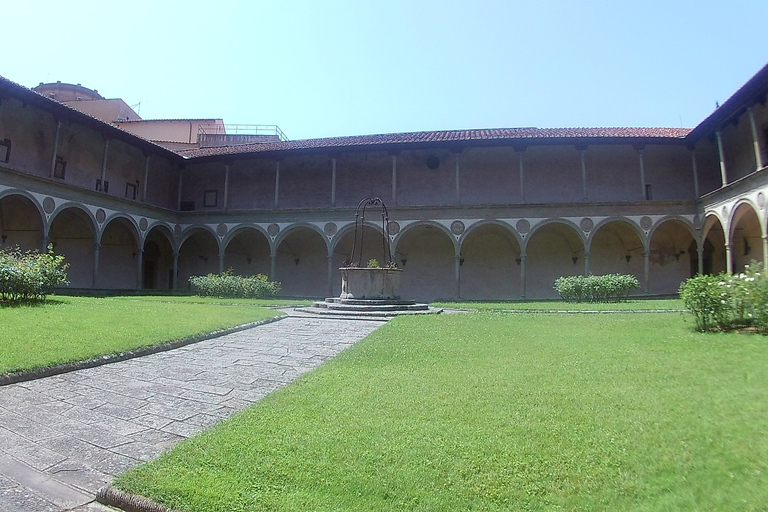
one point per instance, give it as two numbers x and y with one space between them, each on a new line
130 191
210 198
5 150
648 194
187 206
59 168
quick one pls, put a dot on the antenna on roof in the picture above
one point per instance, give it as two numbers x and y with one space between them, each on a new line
717 104
136 108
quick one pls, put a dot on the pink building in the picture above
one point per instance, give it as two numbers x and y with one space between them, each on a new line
475 214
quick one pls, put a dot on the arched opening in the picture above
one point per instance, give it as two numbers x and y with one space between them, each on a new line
616 248
118 265
554 250
157 265
301 264
490 264
372 248
669 258
746 238
713 255
72 234
247 253
427 256
20 224
198 256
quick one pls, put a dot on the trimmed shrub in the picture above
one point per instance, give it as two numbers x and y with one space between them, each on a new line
605 288
30 276
228 285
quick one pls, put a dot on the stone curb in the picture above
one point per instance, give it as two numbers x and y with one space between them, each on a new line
128 502
569 311
48 371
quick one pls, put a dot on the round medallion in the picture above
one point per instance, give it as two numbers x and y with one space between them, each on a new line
393 227
523 226
177 229
101 215
696 220
587 224
49 205
221 229
330 228
725 211
273 229
457 227
646 222
761 200
143 224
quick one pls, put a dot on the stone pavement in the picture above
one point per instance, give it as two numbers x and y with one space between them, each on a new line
64 437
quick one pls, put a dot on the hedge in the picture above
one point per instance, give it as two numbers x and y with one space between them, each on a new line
30 276
605 288
228 285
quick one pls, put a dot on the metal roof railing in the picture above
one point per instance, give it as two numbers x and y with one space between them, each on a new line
269 130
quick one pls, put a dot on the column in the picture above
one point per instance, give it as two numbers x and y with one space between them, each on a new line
700 255
226 186
586 263
522 275
583 150
458 188
277 183
273 266
646 270
695 172
755 140
96 247
330 276
55 148
146 178
333 181
642 174
457 275
139 268
765 252
522 178
394 179
221 260
44 244
104 164
181 180
728 259
723 173
175 269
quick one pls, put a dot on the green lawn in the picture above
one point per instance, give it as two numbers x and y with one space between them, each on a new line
559 305
492 411
195 299
67 329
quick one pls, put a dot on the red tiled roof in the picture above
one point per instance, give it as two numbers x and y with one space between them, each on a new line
512 135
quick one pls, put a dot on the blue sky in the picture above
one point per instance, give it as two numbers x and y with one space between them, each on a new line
323 69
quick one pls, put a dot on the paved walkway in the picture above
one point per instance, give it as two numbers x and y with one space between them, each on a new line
64 437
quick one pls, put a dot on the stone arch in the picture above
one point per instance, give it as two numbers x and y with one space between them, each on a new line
745 235
86 214
198 254
616 246
247 251
301 262
118 253
490 259
554 248
341 249
286 232
427 253
195 228
672 255
22 223
157 264
72 233
714 258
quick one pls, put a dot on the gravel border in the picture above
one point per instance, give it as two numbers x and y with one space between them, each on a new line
48 371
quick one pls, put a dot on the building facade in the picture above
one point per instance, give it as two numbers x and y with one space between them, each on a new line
475 214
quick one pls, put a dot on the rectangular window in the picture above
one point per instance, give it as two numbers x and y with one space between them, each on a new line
5 150
187 206
648 194
210 198
59 168
130 191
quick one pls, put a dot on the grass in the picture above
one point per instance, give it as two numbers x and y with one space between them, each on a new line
489 411
559 305
67 329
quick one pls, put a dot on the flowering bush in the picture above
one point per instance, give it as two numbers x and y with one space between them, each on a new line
725 302
231 286
30 276
606 288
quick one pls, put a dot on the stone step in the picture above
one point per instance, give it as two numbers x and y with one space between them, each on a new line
368 302
371 307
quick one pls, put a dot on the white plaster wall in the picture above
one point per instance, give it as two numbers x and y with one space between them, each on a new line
118 264
248 244
310 277
549 253
72 236
430 270
201 243
490 270
20 222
